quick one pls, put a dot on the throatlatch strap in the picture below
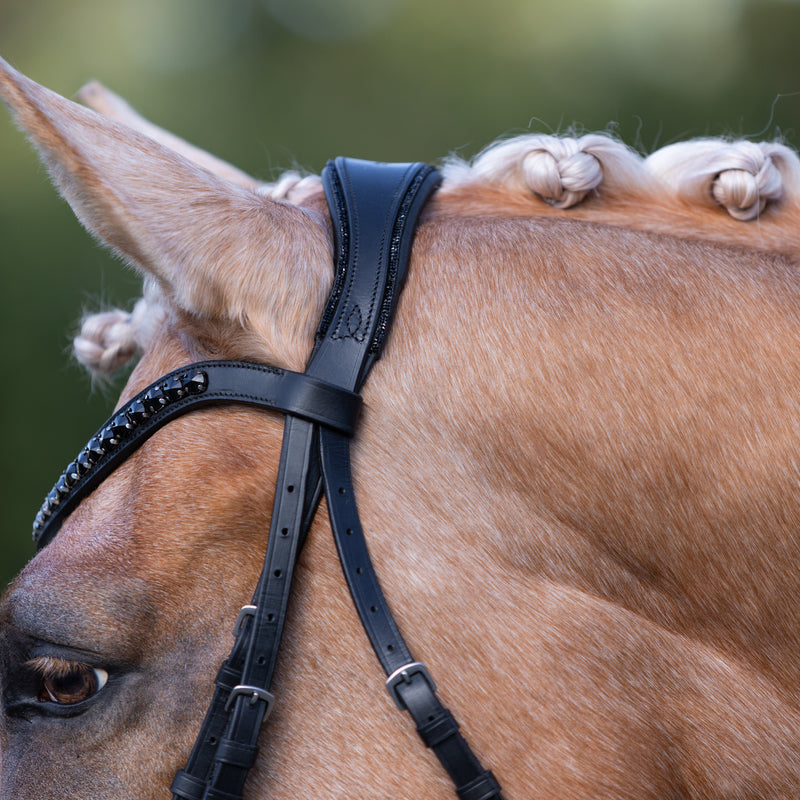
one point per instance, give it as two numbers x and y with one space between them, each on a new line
352 334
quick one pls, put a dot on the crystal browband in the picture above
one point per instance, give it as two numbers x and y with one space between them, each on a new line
193 386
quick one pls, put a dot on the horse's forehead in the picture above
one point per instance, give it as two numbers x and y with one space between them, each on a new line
77 598
131 548
90 588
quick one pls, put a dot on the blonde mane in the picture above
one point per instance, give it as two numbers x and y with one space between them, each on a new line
742 178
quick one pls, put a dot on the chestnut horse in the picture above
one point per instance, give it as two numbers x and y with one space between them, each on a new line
578 468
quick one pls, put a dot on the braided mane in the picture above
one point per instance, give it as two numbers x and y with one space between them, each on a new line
741 180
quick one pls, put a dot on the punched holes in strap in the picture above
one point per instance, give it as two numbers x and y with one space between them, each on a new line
438 728
244 710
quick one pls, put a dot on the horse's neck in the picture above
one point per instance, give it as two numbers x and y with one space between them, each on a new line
608 409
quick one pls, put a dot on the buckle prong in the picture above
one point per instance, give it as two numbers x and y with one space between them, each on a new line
256 693
403 675
247 611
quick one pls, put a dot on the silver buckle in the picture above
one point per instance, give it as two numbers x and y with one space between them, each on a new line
402 675
247 611
256 693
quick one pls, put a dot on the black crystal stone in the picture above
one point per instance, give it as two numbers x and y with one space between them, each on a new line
196 383
120 426
52 500
107 439
62 487
173 389
94 450
72 473
136 413
154 400
83 463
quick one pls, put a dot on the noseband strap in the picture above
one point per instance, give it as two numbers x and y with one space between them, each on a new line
374 209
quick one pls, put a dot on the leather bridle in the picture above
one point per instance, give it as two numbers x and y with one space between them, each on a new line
374 209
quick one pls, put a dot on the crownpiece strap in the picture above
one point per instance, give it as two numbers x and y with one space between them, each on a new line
344 356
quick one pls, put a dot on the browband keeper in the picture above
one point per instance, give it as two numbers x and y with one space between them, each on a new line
199 385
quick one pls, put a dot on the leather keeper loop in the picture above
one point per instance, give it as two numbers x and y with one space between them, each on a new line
216 794
187 786
435 731
227 677
236 753
484 787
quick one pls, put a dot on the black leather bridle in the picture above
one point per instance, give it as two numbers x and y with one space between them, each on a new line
374 209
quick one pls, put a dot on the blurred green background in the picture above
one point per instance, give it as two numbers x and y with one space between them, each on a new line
269 84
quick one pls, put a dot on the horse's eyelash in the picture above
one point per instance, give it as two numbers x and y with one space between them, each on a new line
51 667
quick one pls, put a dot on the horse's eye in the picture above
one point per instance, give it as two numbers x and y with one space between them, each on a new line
67 683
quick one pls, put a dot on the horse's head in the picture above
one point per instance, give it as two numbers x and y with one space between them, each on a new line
91 626
576 466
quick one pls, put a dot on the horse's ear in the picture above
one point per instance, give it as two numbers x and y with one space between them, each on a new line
104 101
218 249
